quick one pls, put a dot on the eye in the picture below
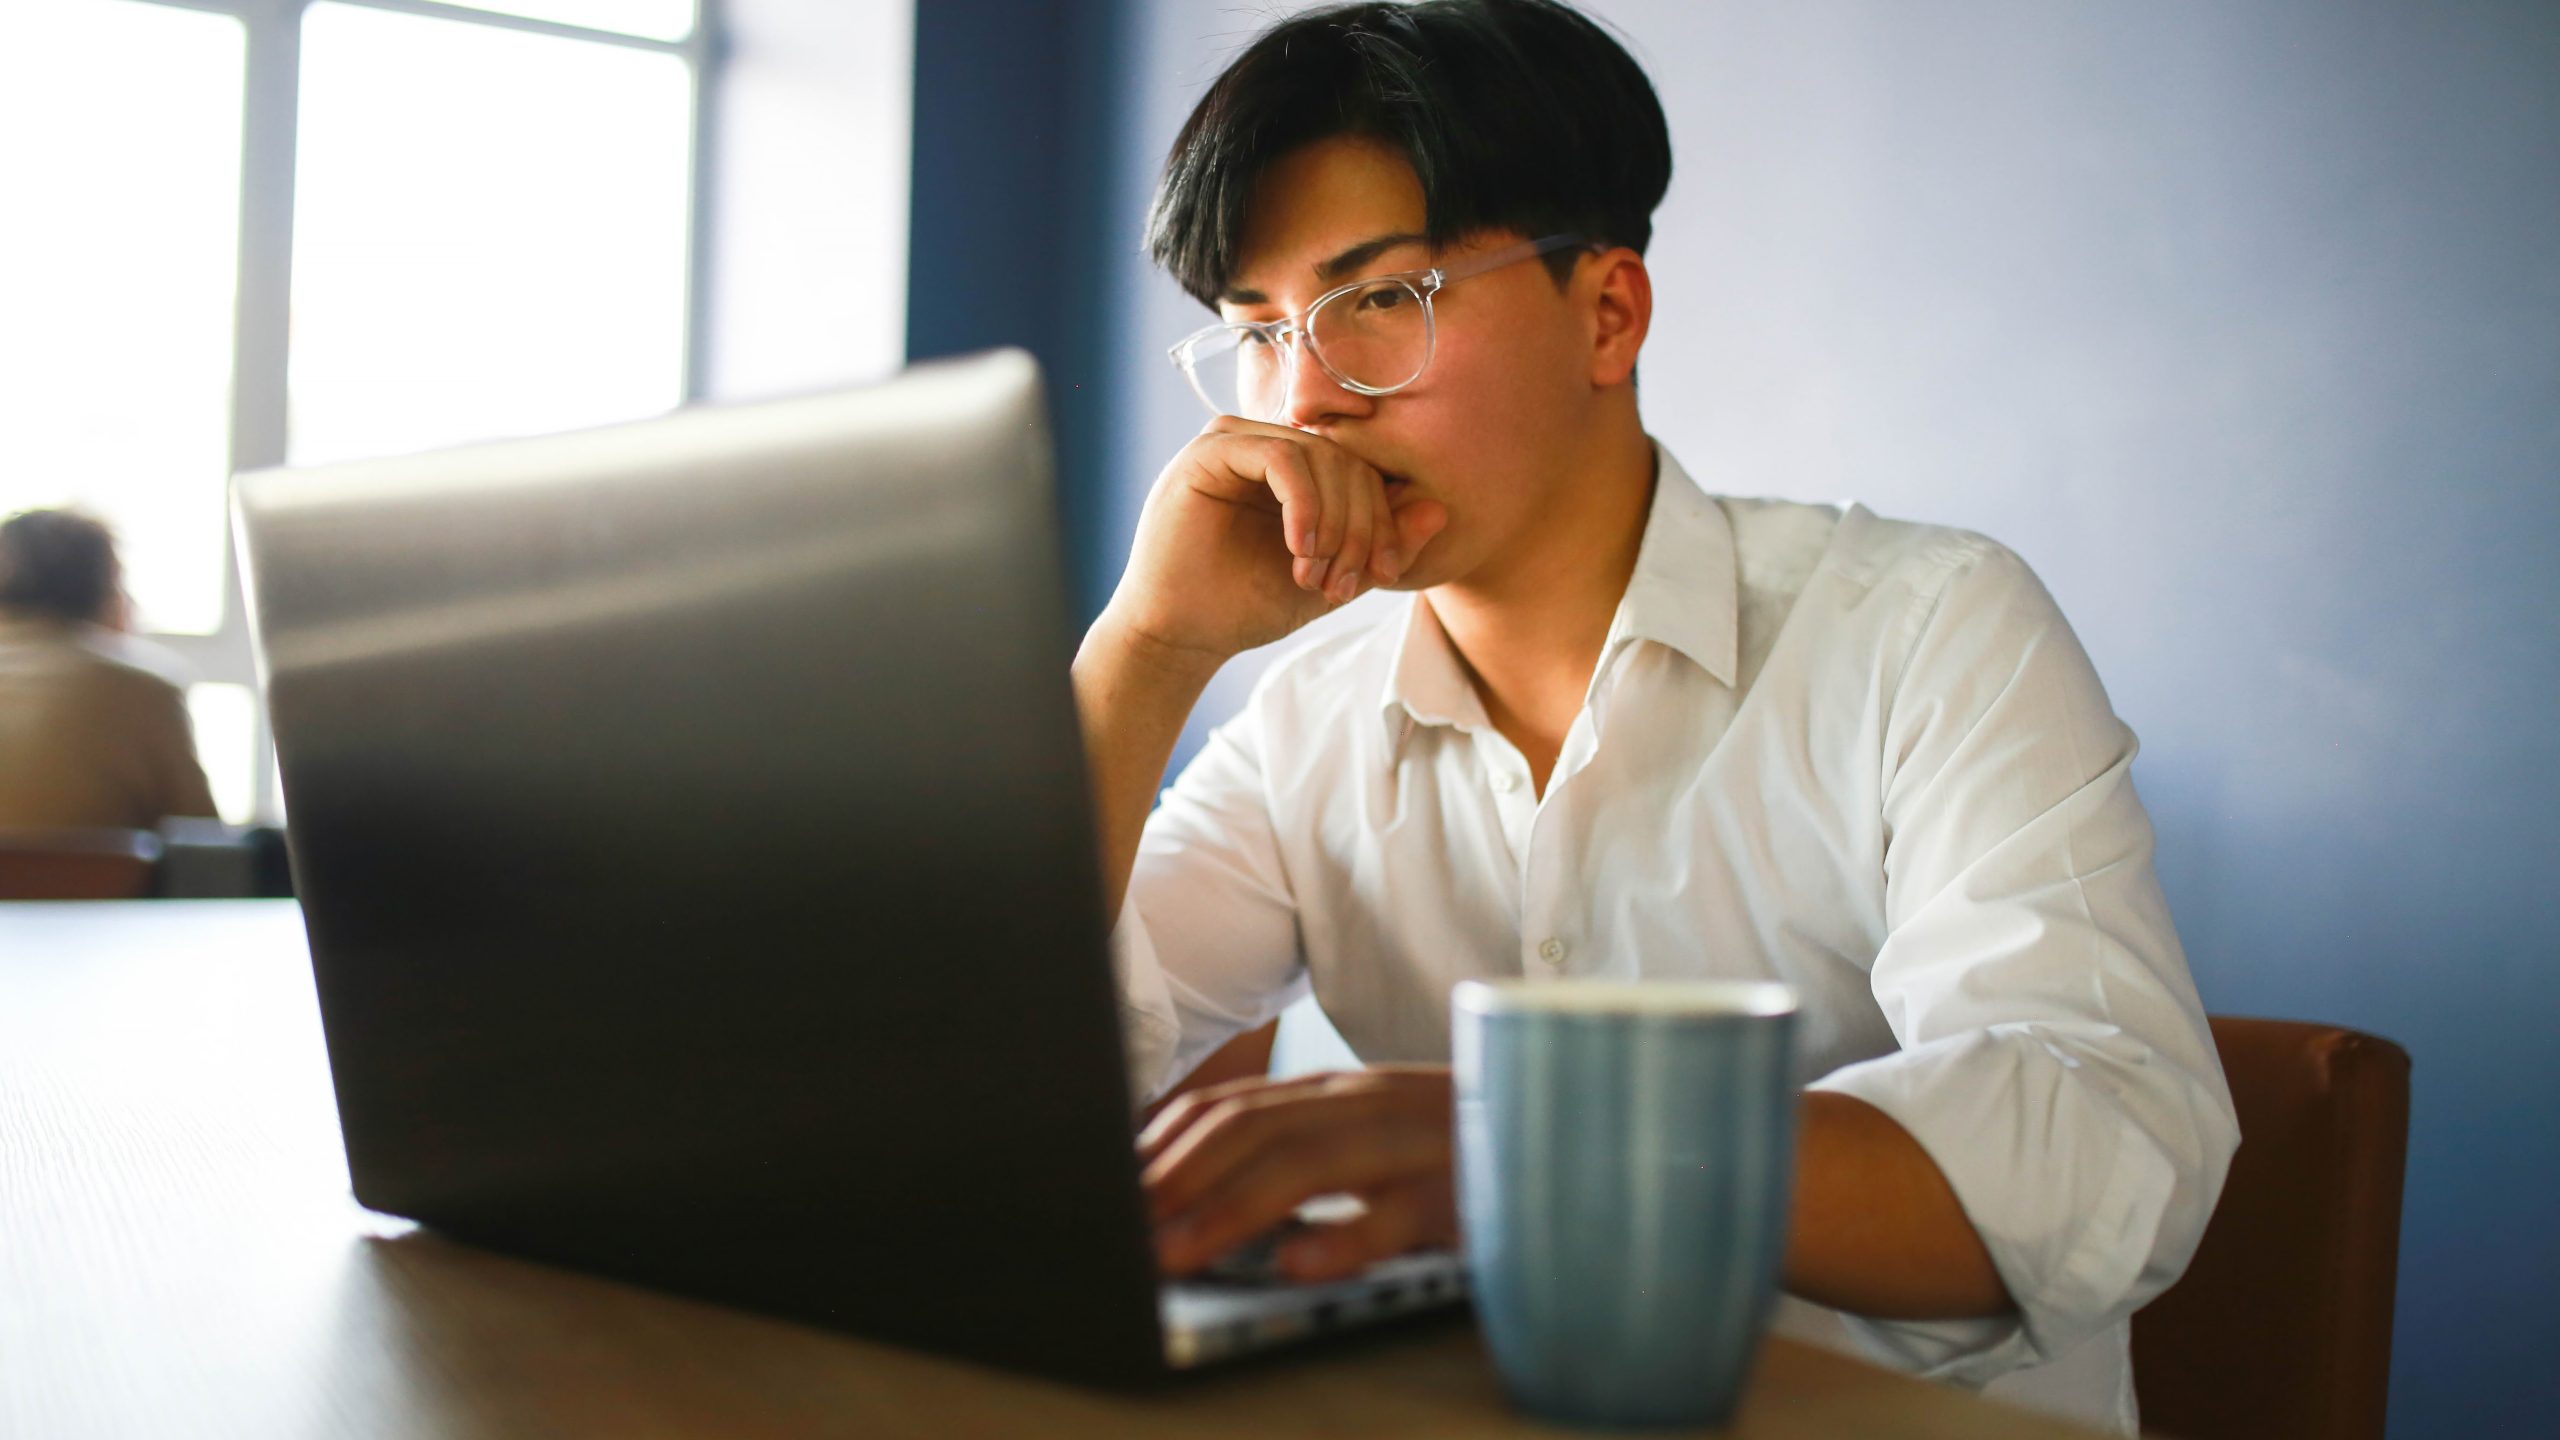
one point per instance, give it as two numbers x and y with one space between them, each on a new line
1385 297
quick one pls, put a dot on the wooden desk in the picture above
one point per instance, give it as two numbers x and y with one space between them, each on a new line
179 1257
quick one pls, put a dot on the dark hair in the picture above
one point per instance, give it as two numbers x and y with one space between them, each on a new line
1514 114
58 563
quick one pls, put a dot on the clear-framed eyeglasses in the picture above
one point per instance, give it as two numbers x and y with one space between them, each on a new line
1373 336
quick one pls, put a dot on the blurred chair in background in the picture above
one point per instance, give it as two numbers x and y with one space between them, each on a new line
2282 1323
187 859
209 860
77 864
93 724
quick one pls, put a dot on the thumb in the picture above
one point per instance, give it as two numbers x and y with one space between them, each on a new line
1416 524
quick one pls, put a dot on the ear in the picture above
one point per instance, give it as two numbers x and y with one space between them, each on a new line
1620 311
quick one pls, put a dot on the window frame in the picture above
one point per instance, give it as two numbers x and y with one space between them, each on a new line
271 85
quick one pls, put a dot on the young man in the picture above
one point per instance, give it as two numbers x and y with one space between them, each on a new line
1621 728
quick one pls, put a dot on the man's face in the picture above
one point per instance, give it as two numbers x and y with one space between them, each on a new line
1490 427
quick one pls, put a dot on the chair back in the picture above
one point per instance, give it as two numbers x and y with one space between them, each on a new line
77 864
2282 1323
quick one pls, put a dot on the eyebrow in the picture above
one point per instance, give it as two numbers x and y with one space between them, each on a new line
1334 269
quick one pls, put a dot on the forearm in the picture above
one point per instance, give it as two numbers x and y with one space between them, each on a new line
1132 698
1876 1230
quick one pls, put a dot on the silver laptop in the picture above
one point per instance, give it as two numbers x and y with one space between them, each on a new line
693 836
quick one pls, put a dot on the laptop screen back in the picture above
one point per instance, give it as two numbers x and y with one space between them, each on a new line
693 838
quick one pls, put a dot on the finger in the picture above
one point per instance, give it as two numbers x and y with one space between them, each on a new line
1280 1182
1224 1137
1286 469
1176 1119
1362 1133
1238 460
1362 501
1281 466
1280 1174
1399 1218
1385 563
1334 485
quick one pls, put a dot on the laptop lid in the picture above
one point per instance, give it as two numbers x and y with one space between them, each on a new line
693 837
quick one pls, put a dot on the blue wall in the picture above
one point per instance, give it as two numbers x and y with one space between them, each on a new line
2241 322
1013 222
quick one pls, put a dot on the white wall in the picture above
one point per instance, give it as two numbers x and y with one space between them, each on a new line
809 185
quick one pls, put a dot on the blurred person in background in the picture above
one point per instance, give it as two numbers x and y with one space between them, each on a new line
93 723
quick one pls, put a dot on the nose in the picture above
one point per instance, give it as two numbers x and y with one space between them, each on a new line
1313 396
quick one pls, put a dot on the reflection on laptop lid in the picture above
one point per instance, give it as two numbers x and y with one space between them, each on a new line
693 837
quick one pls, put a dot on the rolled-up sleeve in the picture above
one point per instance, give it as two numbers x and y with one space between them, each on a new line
2054 1058
1206 944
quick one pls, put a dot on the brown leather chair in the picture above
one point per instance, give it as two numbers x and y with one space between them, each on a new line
2282 1324
77 864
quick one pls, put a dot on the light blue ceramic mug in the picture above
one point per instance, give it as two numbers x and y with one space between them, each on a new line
1625 1152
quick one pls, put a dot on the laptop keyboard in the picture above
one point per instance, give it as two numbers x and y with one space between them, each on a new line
1256 1262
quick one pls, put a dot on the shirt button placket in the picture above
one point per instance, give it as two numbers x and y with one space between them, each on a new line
1520 814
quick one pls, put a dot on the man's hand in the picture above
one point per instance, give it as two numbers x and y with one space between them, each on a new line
1230 1162
1252 531
1875 1228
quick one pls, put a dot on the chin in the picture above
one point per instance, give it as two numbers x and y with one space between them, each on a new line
1423 576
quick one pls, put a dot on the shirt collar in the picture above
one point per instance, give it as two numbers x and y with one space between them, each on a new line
1683 592
1681 595
1427 684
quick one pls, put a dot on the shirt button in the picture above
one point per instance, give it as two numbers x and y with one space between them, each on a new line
1505 782
1551 950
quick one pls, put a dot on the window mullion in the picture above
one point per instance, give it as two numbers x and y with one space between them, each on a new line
266 234
702 52
500 19
259 353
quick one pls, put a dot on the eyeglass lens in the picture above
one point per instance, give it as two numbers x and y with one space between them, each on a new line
1377 336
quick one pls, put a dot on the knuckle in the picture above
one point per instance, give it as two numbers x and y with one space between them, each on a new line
1225 1110
1210 1104
1241 1085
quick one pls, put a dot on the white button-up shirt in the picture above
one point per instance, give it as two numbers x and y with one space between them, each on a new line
1866 758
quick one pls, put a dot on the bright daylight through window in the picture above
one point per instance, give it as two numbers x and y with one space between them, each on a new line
490 235
120 152
476 253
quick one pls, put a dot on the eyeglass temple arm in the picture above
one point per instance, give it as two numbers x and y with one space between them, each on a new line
1513 255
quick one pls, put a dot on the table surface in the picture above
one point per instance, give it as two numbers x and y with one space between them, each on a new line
179 1256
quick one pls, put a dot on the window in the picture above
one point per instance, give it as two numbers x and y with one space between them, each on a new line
120 148
247 232
489 233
